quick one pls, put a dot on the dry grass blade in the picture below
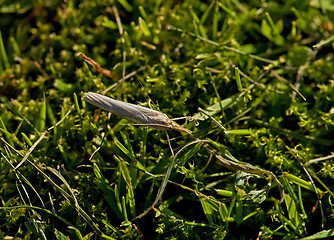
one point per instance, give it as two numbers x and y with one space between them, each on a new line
285 81
134 113
31 149
95 65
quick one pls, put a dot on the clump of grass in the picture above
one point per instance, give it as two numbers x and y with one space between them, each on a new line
254 83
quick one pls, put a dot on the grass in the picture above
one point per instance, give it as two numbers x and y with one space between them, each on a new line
255 81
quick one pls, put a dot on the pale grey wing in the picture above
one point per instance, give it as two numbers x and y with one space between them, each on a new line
154 118
99 100
132 112
119 108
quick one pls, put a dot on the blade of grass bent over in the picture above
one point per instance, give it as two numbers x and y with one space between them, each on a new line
31 149
164 181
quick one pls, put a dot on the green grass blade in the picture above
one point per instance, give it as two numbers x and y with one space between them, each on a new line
293 214
238 209
26 139
189 154
197 23
104 185
324 234
127 39
224 213
225 193
300 182
8 135
31 149
207 209
142 12
215 21
272 25
63 86
127 6
239 132
52 119
131 200
125 213
144 27
64 155
205 15
118 200
125 173
42 116
3 56
238 80
216 91
77 107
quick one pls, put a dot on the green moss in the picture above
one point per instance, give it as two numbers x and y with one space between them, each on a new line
182 58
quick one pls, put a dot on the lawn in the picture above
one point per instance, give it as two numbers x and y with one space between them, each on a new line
245 150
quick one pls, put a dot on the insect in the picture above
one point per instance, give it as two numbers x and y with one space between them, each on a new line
134 113
161 121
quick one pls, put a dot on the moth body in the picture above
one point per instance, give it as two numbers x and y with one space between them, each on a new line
134 113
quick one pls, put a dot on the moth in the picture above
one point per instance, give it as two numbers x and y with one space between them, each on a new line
134 113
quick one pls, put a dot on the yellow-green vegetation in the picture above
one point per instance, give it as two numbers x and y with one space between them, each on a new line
252 80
